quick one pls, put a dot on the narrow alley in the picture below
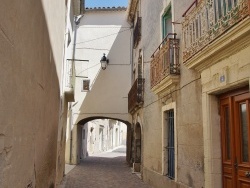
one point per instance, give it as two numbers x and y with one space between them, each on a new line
125 93
104 170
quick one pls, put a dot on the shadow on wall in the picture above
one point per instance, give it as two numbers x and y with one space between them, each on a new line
30 101
109 88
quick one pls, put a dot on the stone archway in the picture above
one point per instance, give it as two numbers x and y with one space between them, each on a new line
74 149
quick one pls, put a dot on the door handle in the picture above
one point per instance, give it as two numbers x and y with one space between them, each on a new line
247 174
236 165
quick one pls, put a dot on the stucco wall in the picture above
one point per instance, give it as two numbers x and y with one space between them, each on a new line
101 32
31 51
187 97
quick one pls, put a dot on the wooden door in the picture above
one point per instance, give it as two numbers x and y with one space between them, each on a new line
235 134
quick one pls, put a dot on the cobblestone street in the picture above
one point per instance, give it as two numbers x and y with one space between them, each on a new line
104 170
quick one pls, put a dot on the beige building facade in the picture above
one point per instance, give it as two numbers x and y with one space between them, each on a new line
190 96
222 59
165 98
33 105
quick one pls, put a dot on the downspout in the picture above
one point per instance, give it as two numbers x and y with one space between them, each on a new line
71 134
77 20
132 53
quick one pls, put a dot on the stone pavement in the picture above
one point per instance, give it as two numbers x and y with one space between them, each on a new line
105 170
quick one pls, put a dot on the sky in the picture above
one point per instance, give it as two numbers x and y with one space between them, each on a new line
106 3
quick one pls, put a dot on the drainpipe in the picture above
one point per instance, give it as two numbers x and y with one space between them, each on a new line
71 127
132 52
77 20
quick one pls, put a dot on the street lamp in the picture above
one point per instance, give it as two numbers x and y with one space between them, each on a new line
104 62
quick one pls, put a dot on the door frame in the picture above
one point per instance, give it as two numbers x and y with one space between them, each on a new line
230 99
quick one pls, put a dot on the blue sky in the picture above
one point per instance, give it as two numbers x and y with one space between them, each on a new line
106 3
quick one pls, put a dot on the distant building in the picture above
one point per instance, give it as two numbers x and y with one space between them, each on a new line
102 135
190 98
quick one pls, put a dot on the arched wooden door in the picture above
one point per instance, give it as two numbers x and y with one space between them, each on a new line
235 135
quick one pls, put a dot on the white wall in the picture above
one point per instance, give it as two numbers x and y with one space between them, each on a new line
92 142
103 32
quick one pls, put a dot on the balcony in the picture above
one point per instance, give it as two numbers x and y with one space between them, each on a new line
136 95
213 25
137 32
69 80
165 67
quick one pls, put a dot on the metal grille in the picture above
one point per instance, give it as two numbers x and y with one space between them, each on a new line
165 60
170 146
209 20
136 95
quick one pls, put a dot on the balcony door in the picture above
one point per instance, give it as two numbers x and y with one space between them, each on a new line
235 134
166 22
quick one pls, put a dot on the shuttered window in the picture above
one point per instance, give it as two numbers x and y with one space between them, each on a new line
170 144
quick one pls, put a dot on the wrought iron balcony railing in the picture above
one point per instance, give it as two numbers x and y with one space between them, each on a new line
136 95
165 60
137 32
209 20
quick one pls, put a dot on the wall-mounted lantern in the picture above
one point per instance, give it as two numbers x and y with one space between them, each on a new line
104 62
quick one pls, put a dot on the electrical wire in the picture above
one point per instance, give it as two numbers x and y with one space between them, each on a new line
172 92
89 68
103 36
92 48
84 27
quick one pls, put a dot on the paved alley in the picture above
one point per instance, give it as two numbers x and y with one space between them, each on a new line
104 170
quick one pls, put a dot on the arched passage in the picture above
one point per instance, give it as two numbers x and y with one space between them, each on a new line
137 148
75 146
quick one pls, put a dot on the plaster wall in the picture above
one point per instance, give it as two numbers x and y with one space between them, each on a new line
187 97
101 32
31 55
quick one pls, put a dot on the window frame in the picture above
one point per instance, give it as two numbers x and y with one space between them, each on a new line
166 15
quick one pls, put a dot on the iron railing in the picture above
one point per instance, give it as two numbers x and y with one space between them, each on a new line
137 32
209 20
165 60
136 95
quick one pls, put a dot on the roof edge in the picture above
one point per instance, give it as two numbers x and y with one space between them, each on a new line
89 9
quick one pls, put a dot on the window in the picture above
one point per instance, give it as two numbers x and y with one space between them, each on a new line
167 22
83 134
166 29
140 66
85 86
170 144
